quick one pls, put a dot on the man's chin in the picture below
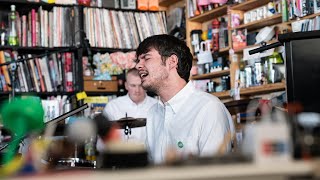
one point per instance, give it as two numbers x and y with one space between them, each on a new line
149 88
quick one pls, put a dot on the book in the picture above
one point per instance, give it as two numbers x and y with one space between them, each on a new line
51 109
5 70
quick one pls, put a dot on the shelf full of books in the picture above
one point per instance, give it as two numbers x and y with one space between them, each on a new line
121 29
43 26
52 73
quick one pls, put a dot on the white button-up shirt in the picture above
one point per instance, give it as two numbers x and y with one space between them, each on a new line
119 107
192 122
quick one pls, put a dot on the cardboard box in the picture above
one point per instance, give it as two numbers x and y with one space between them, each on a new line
91 85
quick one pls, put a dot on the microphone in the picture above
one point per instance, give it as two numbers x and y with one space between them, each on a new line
87 46
81 130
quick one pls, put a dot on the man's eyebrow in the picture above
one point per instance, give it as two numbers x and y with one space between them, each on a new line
147 54
142 56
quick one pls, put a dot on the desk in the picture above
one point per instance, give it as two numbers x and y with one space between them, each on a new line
230 171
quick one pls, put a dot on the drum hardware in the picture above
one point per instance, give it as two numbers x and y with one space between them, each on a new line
127 123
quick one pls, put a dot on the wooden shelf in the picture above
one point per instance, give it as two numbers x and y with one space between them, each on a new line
211 75
275 19
221 51
110 50
253 90
37 93
268 88
250 4
28 4
222 95
209 15
167 3
301 18
38 49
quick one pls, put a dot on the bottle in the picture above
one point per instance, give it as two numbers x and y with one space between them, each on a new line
3 34
13 38
223 34
215 34
90 149
196 40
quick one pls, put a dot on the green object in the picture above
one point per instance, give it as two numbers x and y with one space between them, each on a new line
21 117
180 144
276 58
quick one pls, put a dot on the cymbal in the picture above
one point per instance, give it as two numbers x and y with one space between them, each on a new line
130 122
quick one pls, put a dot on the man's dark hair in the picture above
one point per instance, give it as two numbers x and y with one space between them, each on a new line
168 45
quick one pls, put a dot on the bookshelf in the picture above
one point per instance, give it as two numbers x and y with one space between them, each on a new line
202 20
68 26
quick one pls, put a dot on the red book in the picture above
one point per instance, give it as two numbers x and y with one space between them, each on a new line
33 28
68 72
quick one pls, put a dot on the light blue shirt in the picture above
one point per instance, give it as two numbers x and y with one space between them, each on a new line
192 122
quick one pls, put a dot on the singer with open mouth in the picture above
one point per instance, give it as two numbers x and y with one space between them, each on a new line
185 120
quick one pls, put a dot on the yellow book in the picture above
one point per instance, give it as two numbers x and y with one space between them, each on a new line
5 70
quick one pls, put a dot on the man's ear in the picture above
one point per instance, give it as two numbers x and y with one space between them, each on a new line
126 85
172 61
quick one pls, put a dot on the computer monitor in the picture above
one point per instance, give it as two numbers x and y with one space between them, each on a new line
303 69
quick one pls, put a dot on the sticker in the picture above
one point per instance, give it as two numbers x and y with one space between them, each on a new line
180 144
81 95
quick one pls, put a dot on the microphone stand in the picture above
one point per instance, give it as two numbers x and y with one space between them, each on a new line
13 70
51 122
265 47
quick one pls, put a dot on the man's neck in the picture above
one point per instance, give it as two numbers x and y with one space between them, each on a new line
171 89
138 102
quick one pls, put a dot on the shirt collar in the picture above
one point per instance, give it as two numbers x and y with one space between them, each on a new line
133 103
177 101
